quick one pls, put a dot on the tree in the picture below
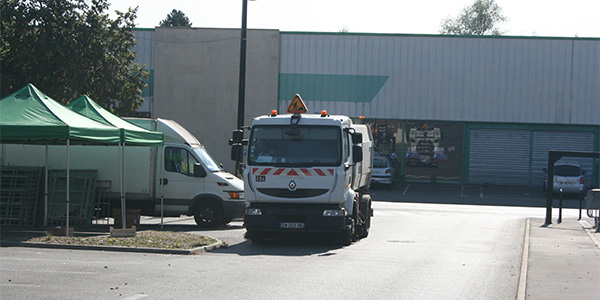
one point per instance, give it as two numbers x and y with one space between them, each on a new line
481 18
176 18
68 48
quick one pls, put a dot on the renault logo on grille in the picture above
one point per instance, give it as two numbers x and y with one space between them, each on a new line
292 185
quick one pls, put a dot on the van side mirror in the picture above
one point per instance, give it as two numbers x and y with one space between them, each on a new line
356 138
236 152
199 170
357 154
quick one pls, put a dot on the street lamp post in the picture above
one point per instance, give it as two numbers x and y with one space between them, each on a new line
242 82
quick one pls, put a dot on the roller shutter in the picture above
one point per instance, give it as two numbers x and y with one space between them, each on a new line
544 141
499 156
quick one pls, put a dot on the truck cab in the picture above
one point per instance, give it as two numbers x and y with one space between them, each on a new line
303 175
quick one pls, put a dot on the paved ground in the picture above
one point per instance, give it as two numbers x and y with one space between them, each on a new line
560 260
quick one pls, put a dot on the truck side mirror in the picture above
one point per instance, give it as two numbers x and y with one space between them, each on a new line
357 154
236 152
199 170
356 138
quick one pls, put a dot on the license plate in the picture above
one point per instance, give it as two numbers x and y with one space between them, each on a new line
291 225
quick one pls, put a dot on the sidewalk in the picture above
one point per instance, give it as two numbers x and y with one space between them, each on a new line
563 262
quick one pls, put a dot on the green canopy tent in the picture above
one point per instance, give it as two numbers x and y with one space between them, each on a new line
130 134
28 116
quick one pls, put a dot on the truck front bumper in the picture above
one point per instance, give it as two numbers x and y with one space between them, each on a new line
280 218
233 208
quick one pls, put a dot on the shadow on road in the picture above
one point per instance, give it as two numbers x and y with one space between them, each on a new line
289 245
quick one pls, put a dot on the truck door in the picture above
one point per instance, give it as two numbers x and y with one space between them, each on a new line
179 184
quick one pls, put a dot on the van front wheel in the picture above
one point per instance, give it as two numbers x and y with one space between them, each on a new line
208 215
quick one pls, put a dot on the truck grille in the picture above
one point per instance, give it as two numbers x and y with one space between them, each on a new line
299 193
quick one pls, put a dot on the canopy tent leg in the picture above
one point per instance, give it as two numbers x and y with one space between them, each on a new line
122 183
161 184
46 189
68 187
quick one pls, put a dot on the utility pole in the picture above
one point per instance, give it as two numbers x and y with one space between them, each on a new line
242 82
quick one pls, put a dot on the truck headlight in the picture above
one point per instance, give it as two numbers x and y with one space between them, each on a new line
236 195
335 213
253 212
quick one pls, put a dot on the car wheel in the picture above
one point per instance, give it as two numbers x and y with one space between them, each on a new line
208 215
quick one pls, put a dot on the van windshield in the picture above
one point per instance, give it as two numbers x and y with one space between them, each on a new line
312 146
567 170
207 160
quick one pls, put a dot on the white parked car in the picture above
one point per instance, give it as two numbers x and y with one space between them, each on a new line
568 177
383 171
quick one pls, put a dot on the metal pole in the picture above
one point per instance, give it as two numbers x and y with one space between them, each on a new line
550 187
162 186
580 203
68 188
46 190
121 160
560 206
242 81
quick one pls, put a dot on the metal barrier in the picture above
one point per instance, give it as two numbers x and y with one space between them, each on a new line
593 206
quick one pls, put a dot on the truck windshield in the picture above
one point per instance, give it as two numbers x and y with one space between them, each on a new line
207 160
313 146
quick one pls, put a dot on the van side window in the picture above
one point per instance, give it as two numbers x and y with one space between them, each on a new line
179 160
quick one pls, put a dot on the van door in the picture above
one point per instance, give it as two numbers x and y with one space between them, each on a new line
179 184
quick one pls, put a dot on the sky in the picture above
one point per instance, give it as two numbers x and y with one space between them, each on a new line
553 18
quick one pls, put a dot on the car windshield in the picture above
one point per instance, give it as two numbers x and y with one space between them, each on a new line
312 146
379 163
567 170
207 160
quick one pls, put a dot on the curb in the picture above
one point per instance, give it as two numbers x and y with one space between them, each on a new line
194 251
522 287
589 229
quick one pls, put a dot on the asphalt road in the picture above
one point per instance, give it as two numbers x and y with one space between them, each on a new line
414 251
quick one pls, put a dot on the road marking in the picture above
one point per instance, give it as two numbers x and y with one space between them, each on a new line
50 271
521 289
405 190
134 297
20 285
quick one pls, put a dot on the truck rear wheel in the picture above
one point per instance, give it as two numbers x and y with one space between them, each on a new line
208 215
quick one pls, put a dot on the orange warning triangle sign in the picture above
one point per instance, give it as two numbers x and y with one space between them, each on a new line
297 106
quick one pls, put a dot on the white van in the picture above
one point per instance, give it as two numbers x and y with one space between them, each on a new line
178 178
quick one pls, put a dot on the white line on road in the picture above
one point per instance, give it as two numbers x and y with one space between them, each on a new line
134 297
49 271
20 285
405 190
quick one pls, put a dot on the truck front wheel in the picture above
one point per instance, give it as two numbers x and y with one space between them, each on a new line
348 236
208 215
256 237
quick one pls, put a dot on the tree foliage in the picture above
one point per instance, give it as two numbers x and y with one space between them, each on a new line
176 18
68 48
481 18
